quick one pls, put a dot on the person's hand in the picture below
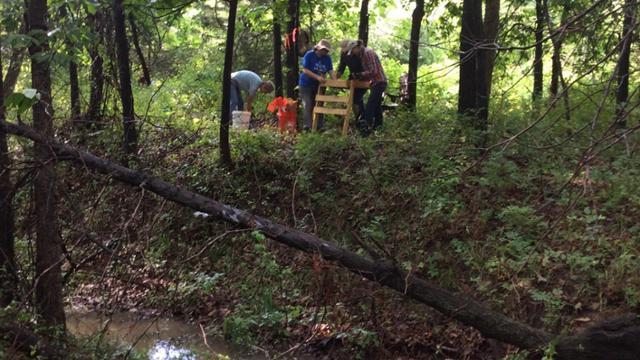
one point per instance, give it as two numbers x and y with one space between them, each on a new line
321 79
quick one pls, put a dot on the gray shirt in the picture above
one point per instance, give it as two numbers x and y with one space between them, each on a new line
247 81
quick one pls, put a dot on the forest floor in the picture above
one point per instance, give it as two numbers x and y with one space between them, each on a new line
516 229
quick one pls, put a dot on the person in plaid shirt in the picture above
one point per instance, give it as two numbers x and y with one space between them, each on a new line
372 71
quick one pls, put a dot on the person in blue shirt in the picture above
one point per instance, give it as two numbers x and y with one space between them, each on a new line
316 64
250 83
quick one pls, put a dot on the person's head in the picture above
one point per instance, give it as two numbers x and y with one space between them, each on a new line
322 48
354 47
266 87
346 45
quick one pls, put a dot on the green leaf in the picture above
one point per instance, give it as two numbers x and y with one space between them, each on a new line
91 7
30 93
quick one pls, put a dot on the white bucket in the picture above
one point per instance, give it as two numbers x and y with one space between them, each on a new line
241 119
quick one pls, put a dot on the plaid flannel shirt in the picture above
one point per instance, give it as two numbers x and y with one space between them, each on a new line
372 67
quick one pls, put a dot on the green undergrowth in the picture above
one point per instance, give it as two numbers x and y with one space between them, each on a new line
513 227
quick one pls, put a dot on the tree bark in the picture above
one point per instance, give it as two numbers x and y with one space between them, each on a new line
491 27
622 71
363 27
556 40
472 94
124 70
616 338
277 57
225 148
414 52
74 87
293 9
8 278
537 58
13 71
93 116
146 75
556 59
48 283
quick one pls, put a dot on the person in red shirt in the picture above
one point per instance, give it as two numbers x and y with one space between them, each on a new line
372 71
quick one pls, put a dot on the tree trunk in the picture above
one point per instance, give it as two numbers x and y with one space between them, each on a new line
277 57
15 64
556 60
414 52
124 70
74 91
293 9
93 116
613 339
363 27
74 87
225 148
472 95
146 76
537 59
8 279
556 69
622 72
557 40
491 27
13 71
48 283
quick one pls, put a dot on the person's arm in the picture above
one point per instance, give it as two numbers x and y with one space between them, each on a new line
333 75
313 75
249 103
341 66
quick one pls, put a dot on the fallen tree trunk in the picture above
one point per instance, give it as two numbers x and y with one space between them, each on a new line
490 323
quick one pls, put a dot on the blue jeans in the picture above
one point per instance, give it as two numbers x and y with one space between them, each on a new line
236 102
373 109
308 97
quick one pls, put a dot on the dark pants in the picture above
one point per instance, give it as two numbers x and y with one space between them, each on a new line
236 102
373 109
308 97
358 102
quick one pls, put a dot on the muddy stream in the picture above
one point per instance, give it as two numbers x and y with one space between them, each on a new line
159 338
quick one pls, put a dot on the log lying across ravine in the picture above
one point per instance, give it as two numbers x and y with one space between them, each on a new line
618 338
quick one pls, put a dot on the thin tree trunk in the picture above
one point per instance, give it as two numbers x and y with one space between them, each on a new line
556 60
277 57
537 59
94 115
146 76
74 87
225 148
293 9
363 27
622 72
491 27
74 91
8 279
557 40
472 95
13 71
48 282
414 52
124 70
556 69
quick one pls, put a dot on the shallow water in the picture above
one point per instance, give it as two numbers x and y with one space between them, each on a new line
159 338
